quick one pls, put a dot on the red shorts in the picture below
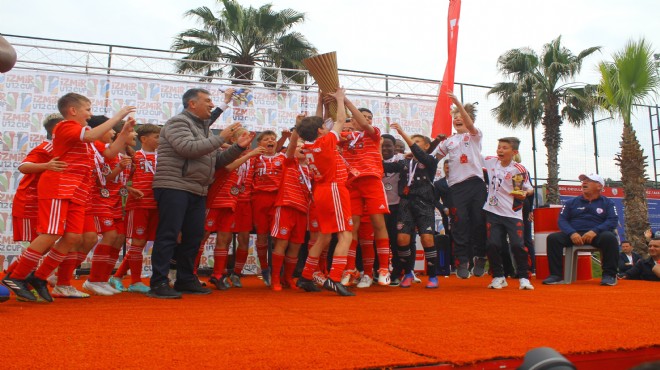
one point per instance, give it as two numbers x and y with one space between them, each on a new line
263 206
219 220
333 208
289 224
141 223
25 229
366 231
313 219
57 216
368 196
243 218
101 225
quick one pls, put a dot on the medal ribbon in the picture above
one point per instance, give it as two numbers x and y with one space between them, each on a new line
98 159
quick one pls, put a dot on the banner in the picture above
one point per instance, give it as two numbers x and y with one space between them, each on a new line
27 97
442 117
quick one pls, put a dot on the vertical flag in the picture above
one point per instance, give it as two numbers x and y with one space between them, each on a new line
442 116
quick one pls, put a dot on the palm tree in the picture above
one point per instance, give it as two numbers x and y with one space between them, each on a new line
244 37
630 79
533 95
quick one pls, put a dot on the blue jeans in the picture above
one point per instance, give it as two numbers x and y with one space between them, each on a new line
179 212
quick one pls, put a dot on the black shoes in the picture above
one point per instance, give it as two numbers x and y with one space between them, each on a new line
307 285
337 288
163 291
41 286
20 288
191 287
220 284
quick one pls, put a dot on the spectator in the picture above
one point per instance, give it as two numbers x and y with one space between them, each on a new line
587 219
647 268
627 258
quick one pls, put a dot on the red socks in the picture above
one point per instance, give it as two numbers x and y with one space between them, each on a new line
350 261
219 262
27 262
53 259
239 260
277 261
338 267
311 265
100 261
367 248
383 251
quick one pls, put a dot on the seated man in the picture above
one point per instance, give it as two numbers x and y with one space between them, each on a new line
587 219
627 258
647 268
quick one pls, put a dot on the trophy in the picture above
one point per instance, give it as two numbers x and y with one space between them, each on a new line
323 68
517 181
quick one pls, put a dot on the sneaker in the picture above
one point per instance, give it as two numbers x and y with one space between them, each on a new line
552 280
349 277
338 288
235 281
220 284
307 285
433 283
96 288
276 287
407 280
164 291
20 288
41 286
171 276
479 268
106 285
384 277
525 284
67 291
462 271
52 280
365 281
117 284
192 287
4 294
265 273
608 280
319 278
416 279
395 282
498 283
138 288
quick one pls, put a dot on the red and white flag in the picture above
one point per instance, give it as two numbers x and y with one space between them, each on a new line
442 116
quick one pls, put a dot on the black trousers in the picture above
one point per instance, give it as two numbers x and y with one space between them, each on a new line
469 227
179 212
605 241
498 228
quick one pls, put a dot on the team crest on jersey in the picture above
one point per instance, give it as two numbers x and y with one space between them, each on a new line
315 223
466 138
508 176
284 231
278 163
107 222
139 231
350 221
209 223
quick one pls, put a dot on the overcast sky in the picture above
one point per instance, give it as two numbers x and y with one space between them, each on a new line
405 38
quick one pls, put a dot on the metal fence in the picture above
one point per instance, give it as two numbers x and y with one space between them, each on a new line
591 147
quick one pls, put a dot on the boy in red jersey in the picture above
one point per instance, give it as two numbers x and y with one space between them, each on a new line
291 210
362 153
268 169
332 199
62 195
142 211
221 205
243 221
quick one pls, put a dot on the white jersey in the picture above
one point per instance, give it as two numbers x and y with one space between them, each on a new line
465 160
501 184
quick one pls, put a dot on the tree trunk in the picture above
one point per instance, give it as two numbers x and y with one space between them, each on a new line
551 137
632 163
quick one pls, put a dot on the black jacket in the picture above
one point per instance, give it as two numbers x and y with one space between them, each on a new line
425 166
642 270
623 259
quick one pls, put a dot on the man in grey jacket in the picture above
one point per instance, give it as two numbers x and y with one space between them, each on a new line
188 155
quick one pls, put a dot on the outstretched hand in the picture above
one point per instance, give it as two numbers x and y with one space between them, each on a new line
245 139
228 131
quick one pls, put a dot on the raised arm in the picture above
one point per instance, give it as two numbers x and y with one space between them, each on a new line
359 118
467 121
97 132
339 96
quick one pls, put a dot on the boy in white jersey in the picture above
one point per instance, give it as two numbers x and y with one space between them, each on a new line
508 187
468 190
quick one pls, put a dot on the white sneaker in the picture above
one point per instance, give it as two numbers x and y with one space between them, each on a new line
416 279
498 283
52 280
96 288
171 276
348 277
525 284
67 291
384 277
319 278
365 281
107 286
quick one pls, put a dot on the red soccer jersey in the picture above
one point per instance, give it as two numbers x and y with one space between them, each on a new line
268 172
26 200
296 186
362 152
72 183
224 191
144 164
246 177
325 163
108 207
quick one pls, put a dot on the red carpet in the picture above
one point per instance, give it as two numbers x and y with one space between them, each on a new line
254 328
